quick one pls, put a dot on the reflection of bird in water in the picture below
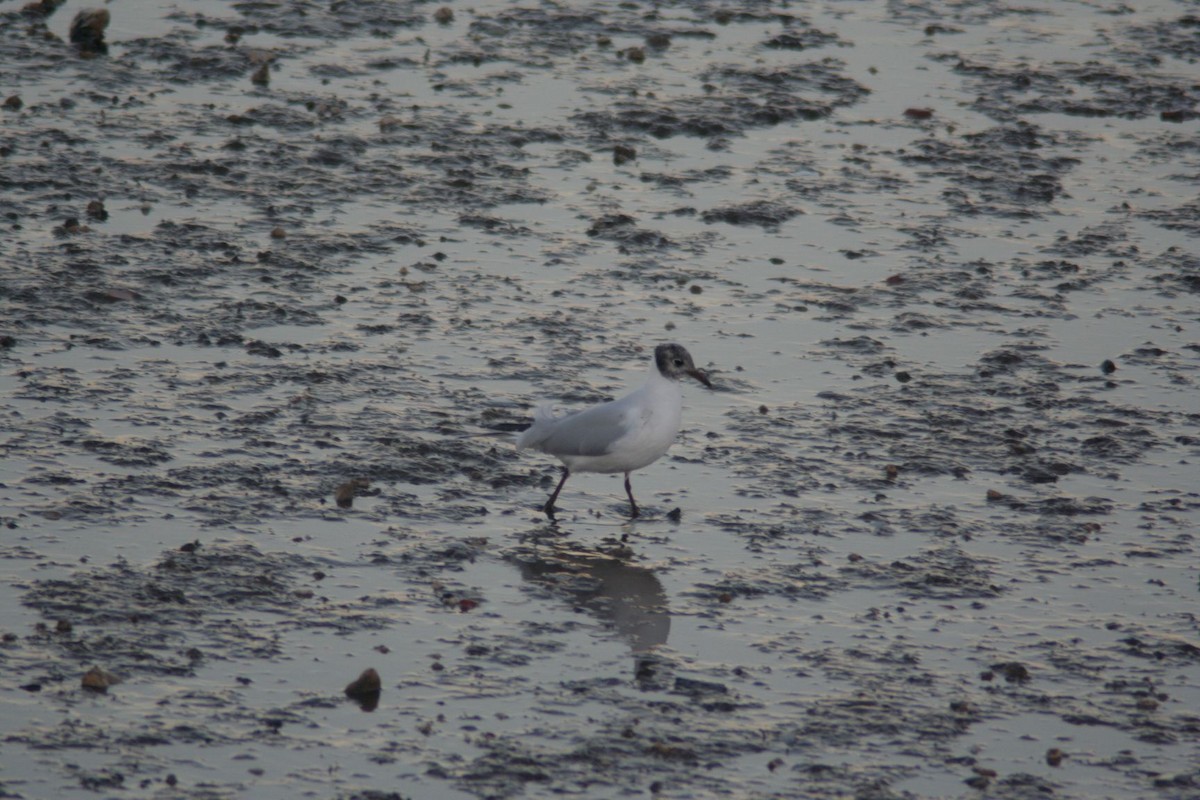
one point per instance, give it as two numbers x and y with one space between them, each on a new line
620 435
629 597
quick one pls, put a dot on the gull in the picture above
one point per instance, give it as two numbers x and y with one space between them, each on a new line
621 435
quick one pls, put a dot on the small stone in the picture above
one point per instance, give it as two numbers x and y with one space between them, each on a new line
443 16
262 75
1054 756
636 54
1013 672
918 113
623 154
367 681
365 689
278 233
13 103
87 30
97 680
344 494
1108 367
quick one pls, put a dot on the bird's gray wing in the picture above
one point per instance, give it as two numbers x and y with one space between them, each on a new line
591 432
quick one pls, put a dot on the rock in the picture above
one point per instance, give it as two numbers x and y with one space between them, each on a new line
1013 671
365 689
87 31
97 680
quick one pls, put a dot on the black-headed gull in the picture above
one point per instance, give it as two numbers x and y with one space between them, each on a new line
621 435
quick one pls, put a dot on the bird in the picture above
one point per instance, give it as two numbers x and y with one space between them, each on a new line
620 435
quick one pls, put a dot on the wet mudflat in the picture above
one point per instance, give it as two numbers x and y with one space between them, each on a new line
270 269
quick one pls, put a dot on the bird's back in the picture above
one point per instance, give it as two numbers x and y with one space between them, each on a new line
590 432
617 436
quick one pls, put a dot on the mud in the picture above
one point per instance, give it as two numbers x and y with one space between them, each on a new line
279 280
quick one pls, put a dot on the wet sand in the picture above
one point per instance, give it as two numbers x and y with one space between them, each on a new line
279 280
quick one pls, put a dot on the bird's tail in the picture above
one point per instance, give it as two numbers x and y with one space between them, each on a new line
543 419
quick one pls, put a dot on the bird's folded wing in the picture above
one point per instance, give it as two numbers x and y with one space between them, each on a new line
591 432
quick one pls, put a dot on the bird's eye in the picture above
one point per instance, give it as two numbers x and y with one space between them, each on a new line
679 362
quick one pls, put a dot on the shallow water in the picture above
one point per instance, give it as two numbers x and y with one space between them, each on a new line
937 518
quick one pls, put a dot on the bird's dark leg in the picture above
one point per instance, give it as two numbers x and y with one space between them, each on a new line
632 503
548 509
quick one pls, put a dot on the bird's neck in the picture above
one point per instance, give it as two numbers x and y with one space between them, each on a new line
657 383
